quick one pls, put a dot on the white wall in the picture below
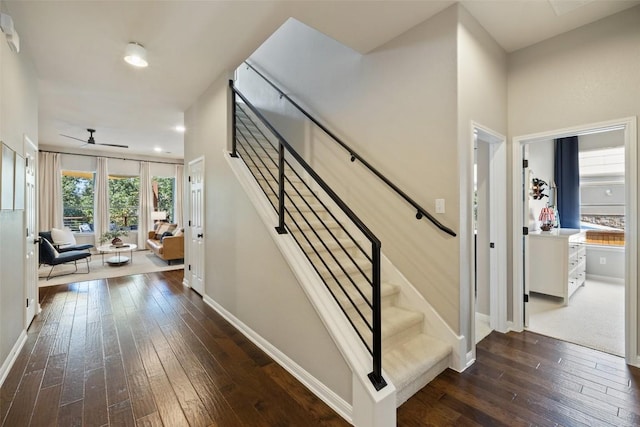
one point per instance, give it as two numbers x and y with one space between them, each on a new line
541 166
607 261
588 75
245 272
482 98
398 110
18 117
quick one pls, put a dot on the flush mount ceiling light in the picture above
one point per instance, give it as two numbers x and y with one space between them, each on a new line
136 55
180 128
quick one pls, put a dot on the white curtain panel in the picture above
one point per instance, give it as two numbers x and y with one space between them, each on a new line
178 196
146 204
101 200
50 182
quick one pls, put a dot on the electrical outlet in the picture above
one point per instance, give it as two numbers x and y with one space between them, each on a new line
603 260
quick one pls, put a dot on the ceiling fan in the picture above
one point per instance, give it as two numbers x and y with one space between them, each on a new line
92 141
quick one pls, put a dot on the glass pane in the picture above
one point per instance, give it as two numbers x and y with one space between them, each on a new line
163 190
123 202
77 200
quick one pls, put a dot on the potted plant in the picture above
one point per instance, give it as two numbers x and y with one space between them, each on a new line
114 236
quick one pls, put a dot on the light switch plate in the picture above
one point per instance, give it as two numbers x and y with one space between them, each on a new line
440 206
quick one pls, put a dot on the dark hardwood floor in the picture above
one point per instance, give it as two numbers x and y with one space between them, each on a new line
530 380
144 350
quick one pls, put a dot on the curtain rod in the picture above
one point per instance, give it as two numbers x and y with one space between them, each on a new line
110 157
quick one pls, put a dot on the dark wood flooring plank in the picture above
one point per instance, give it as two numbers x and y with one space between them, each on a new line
45 412
182 363
73 383
169 408
318 415
142 401
121 414
95 399
190 402
151 420
93 352
212 399
54 372
117 390
70 415
21 410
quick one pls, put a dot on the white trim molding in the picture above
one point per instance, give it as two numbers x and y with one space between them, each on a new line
317 387
629 125
12 356
370 407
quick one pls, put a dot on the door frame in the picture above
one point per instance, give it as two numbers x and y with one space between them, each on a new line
189 255
498 232
629 125
31 289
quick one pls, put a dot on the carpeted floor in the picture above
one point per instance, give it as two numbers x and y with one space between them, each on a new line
143 262
594 317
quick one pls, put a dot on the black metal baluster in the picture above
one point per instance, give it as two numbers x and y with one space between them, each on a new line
376 376
233 153
281 228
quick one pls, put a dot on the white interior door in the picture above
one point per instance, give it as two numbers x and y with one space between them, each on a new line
196 225
30 215
526 180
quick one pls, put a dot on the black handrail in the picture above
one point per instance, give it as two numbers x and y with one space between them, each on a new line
420 211
376 375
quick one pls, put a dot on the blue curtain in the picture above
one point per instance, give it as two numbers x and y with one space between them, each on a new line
567 177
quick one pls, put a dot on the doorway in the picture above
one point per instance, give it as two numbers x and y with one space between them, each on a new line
527 271
489 248
30 215
196 225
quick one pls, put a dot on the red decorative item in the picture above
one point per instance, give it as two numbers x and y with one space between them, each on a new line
547 217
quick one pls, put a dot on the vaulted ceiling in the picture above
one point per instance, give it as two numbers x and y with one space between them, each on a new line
77 49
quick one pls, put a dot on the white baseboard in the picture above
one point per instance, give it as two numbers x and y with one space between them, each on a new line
483 318
605 278
343 408
12 356
470 359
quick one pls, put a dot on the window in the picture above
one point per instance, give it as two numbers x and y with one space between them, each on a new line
602 188
163 191
123 201
77 200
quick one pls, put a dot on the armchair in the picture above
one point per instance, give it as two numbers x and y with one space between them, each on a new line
72 246
49 256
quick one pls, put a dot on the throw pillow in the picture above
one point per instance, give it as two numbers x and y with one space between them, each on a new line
165 234
178 231
163 228
64 235
50 247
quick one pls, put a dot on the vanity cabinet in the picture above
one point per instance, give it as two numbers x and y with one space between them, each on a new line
557 262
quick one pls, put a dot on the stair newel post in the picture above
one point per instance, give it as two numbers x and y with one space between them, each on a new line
233 153
280 228
376 376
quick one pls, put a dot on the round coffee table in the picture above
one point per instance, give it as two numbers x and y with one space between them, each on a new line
118 258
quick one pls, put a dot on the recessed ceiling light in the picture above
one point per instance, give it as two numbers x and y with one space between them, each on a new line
136 55
180 128
157 149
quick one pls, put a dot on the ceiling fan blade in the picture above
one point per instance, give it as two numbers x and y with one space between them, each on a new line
113 145
73 137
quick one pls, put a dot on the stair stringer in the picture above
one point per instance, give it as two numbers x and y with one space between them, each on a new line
369 407
410 298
